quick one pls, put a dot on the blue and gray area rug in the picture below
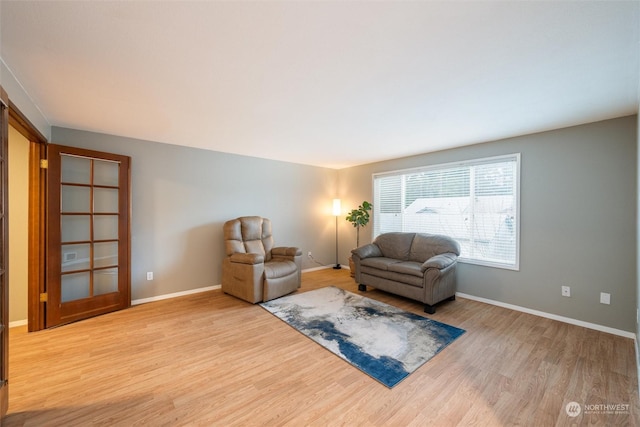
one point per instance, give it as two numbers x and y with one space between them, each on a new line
383 341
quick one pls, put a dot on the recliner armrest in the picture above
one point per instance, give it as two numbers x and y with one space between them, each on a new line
247 258
440 261
367 251
284 251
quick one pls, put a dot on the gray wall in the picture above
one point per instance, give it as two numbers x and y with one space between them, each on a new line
182 196
578 214
578 220
638 249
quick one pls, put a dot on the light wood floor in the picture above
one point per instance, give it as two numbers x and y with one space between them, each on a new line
210 359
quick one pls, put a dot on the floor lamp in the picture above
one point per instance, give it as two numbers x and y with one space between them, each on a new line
336 213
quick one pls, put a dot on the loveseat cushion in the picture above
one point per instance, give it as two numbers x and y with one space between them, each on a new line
395 245
369 275
408 267
381 263
425 246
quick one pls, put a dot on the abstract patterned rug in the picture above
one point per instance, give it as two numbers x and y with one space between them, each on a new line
383 341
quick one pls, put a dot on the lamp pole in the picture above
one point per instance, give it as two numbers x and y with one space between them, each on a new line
336 213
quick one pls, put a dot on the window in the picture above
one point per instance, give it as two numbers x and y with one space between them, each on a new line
475 202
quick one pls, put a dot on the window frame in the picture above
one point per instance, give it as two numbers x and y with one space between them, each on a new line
516 157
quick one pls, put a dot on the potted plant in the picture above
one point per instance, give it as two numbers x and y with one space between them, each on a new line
358 218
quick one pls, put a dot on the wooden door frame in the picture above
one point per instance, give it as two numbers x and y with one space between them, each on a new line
4 253
36 236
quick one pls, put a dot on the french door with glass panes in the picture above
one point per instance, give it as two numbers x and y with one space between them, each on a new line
88 234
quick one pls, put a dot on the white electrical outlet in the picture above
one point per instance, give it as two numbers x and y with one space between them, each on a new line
309 254
149 275
566 291
605 298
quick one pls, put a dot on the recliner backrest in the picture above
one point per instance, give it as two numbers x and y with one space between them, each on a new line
249 234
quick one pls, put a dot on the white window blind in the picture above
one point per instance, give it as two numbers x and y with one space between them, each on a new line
475 202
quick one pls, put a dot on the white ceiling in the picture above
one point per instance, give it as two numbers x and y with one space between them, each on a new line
325 83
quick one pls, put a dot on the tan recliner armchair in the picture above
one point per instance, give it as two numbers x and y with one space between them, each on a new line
254 270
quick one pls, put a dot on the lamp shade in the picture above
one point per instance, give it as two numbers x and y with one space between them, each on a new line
336 207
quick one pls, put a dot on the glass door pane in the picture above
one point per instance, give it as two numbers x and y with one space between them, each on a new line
75 228
105 281
75 199
75 286
105 200
76 257
105 227
106 173
105 254
75 170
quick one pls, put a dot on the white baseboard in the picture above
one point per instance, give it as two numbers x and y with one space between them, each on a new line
569 320
17 323
205 289
322 267
637 361
174 295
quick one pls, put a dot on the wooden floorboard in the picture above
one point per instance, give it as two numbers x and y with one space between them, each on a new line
210 359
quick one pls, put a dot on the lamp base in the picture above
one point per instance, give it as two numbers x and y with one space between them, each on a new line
337 267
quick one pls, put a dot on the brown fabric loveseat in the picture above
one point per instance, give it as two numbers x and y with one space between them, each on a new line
414 265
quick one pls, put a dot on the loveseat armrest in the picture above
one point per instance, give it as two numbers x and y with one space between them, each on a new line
367 251
286 251
440 261
247 258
